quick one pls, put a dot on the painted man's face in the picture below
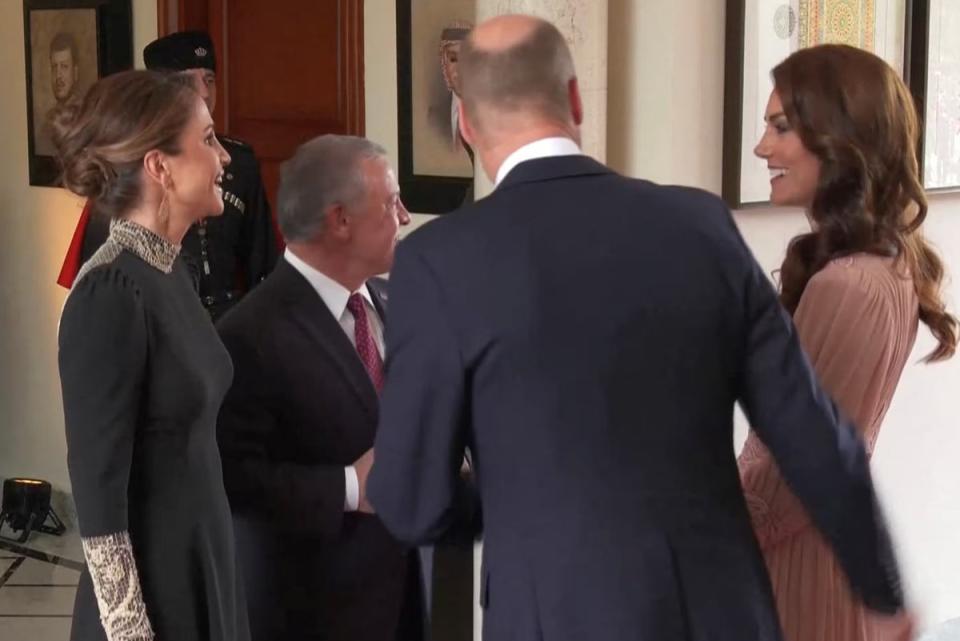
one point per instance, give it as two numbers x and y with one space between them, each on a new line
63 73
449 63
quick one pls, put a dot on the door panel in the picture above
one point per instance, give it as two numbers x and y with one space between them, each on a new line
284 76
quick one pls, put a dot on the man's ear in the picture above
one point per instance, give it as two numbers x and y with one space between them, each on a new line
466 125
576 103
337 221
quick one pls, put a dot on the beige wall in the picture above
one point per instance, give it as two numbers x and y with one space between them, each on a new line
37 223
380 72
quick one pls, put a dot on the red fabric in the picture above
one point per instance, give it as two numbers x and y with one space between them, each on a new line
366 345
74 258
277 236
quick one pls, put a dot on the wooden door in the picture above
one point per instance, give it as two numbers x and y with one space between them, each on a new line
287 70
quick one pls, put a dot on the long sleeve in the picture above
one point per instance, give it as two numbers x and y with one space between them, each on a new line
817 450
102 358
295 496
846 330
415 484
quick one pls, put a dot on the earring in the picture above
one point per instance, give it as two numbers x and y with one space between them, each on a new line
163 213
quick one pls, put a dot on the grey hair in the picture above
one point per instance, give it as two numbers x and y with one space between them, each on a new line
322 172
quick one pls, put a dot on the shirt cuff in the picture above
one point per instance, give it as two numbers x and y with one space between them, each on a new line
351 498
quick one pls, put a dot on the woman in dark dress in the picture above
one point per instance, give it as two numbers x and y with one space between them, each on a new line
143 373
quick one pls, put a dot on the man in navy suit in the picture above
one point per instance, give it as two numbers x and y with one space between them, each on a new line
586 336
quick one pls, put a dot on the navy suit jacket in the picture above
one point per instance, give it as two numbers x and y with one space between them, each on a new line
587 336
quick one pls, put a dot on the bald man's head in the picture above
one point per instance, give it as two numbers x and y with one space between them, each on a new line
516 64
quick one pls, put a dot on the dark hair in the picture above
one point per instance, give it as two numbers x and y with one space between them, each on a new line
101 145
64 41
852 111
534 73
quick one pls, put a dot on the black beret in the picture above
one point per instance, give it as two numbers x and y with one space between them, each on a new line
181 51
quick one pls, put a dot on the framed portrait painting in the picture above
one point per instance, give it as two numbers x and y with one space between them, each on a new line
69 45
935 83
436 166
759 35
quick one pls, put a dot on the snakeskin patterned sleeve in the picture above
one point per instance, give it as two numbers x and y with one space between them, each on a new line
116 585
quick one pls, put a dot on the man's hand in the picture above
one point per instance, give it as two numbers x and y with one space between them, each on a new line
362 466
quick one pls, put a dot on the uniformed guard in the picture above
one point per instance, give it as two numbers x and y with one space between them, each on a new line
230 253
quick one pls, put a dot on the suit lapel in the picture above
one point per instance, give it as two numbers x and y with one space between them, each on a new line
308 311
378 292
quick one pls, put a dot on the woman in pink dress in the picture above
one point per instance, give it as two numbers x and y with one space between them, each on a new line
840 142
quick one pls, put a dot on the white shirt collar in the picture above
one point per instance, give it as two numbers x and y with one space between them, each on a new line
334 294
543 148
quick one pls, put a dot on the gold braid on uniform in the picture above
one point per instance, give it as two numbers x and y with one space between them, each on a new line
116 585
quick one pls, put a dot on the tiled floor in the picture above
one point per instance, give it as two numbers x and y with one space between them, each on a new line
38 581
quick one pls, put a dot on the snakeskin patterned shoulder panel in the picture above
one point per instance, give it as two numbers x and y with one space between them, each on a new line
154 250
107 253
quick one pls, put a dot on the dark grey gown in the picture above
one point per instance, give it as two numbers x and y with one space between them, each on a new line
143 374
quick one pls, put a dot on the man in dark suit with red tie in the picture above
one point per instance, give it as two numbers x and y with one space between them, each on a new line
587 336
297 426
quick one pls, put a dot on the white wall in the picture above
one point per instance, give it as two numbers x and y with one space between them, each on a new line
664 123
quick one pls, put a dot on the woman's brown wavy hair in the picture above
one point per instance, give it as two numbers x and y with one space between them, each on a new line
853 112
101 145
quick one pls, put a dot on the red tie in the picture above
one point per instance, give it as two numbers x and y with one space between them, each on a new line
366 346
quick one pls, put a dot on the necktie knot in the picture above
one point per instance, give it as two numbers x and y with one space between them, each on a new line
355 306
